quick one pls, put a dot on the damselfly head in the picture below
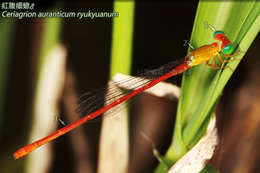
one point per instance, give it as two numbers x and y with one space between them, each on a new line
228 49
216 35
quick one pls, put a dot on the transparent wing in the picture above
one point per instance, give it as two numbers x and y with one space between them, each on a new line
92 101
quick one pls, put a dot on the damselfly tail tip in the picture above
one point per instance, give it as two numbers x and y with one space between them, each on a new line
16 155
20 153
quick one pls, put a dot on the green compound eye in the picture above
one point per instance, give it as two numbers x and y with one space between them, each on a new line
228 49
217 32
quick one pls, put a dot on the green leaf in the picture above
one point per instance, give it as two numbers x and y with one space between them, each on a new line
114 132
122 38
202 86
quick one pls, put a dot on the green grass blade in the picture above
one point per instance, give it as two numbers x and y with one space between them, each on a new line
221 78
114 132
122 38
240 22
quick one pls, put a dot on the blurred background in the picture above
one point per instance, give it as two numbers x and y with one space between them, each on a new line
46 64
